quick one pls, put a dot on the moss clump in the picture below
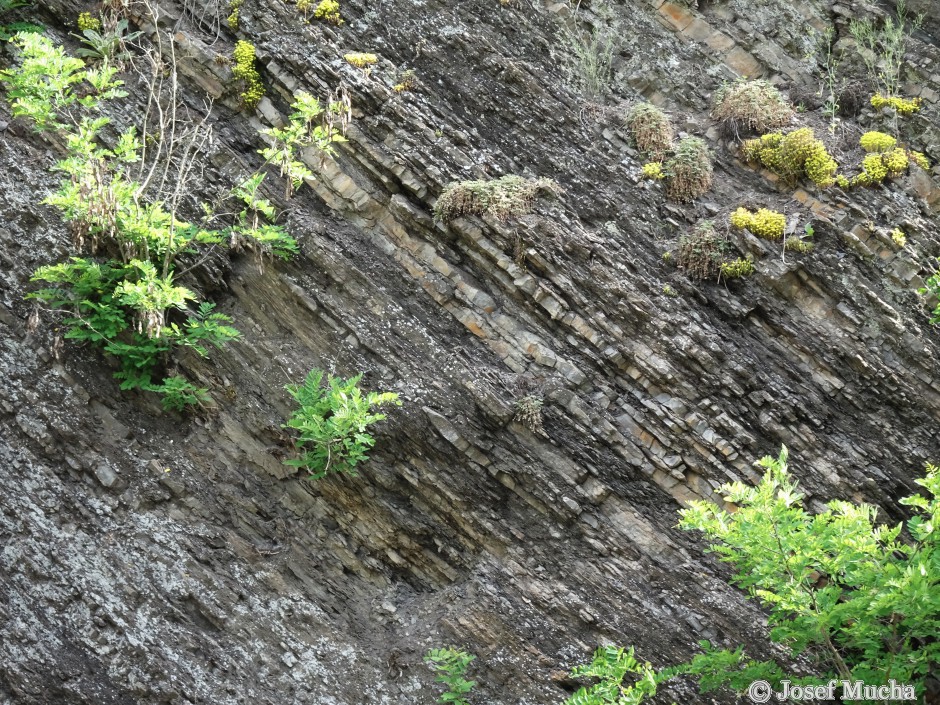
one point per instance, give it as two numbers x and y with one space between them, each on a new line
650 129
751 105
874 170
920 160
877 167
737 268
899 238
328 11
243 69
793 156
877 142
764 223
360 60
502 198
797 244
406 82
758 149
234 8
688 171
653 170
896 161
884 160
903 106
87 21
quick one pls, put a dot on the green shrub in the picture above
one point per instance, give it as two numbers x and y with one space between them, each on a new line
932 287
42 87
502 198
332 423
751 106
860 601
127 301
610 666
451 664
651 130
688 171
178 393
123 310
108 45
589 54
265 238
882 50
244 71
306 127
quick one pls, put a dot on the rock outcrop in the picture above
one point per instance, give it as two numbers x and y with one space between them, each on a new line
156 558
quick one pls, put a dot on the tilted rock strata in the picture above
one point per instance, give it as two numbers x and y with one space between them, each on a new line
145 559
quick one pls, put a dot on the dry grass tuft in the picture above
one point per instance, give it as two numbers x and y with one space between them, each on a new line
650 129
750 106
688 171
502 198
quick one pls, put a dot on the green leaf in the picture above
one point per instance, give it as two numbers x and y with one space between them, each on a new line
331 422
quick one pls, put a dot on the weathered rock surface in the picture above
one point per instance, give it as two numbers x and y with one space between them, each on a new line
151 558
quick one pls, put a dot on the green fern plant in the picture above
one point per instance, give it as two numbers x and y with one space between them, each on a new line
178 393
451 664
861 599
42 87
8 31
124 297
265 238
309 125
98 300
611 665
332 423
6 5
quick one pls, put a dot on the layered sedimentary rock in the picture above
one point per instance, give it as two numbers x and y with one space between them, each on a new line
153 558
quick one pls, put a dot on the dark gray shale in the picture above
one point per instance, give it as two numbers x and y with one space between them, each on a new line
159 559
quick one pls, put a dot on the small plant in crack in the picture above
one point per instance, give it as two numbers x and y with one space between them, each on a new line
529 412
332 422
451 665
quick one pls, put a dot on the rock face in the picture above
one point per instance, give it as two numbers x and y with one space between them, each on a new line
153 558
